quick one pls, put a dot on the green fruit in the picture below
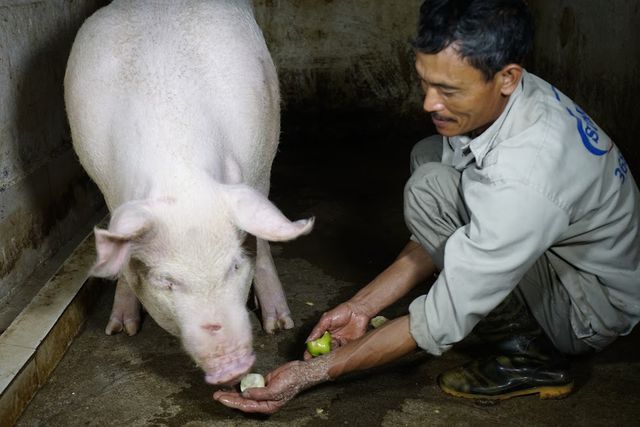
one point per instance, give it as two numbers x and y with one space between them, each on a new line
320 346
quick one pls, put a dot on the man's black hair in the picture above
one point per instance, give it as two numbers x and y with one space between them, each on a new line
489 34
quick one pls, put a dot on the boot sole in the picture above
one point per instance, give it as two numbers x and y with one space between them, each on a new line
551 392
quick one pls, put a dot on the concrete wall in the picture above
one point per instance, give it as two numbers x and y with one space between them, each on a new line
342 54
354 54
44 194
331 55
590 49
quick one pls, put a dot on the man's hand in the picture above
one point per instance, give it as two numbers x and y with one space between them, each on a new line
382 345
348 321
345 323
282 385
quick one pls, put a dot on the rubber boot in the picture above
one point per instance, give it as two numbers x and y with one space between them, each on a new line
526 361
511 317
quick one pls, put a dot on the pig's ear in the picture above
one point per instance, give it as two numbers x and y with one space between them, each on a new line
113 246
255 214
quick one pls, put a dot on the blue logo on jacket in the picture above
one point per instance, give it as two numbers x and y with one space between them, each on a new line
589 132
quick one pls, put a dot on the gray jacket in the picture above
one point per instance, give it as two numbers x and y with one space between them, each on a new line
543 178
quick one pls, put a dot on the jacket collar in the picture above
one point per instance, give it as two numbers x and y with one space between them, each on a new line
467 149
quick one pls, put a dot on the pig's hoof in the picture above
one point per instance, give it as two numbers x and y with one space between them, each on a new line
271 325
115 326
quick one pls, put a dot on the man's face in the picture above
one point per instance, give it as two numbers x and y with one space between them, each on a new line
457 95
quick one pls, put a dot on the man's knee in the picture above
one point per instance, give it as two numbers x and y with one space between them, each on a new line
426 151
550 304
431 180
433 209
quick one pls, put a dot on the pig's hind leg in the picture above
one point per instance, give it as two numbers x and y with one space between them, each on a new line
125 314
268 289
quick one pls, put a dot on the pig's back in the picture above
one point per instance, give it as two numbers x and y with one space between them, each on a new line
179 81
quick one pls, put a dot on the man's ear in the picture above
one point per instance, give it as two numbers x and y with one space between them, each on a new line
509 78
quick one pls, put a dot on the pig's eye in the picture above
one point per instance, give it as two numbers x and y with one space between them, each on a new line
165 284
234 268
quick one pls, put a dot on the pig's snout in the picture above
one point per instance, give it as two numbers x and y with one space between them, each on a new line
228 368
220 342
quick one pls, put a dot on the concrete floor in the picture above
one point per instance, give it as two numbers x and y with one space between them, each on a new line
349 171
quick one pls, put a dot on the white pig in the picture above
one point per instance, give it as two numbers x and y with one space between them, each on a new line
174 113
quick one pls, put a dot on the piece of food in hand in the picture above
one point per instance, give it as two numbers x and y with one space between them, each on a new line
378 321
251 381
320 346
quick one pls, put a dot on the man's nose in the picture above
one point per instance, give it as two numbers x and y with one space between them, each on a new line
432 101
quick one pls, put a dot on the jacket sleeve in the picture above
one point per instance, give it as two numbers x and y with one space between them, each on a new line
511 226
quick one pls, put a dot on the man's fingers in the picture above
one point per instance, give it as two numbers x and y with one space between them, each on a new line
317 331
218 395
236 401
324 324
258 393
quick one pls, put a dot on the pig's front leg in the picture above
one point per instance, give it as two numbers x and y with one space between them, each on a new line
271 298
125 314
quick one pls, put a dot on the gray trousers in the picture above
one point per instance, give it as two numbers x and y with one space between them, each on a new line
434 208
